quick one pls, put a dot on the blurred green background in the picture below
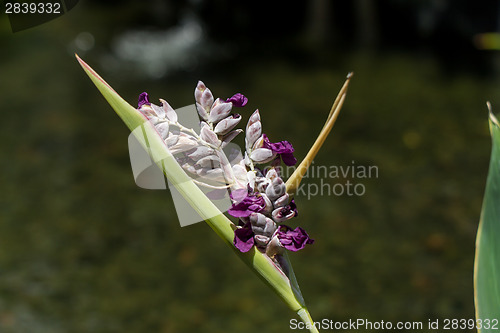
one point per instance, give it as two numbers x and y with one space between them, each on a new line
83 249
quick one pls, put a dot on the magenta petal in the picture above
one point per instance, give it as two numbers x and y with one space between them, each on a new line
283 148
293 240
238 100
243 238
143 99
248 205
237 212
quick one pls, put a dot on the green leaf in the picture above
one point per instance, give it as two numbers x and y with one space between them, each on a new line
261 264
487 262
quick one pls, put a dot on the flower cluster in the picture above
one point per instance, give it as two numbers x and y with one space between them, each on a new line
259 198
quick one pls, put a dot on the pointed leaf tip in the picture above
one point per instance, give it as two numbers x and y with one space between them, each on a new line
493 118
91 73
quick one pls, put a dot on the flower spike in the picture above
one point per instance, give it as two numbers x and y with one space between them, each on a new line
261 199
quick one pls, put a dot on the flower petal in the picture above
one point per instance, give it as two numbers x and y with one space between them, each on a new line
282 148
238 100
143 99
243 238
227 124
209 136
246 206
293 240
219 111
262 155
169 111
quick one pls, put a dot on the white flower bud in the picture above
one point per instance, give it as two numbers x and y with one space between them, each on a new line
160 113
227 124
258 219
200 88
209 136
251 176
240 174
254 118
202 112
206 99
261 240
270 227
169 111
282 201
172 139
261 184
247 159
269 205
162 129
262 155
272 174
282 214
274 247
230 136
201 152
184 143
259 143
219 111
252 133
148 111
276 189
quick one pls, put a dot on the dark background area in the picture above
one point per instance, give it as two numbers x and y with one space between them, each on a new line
83 249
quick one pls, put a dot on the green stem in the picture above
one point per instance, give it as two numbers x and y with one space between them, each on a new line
306 318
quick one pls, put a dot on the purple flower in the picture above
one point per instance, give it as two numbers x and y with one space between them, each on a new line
238 100
284 149
293 240
246 204
143 99
243 238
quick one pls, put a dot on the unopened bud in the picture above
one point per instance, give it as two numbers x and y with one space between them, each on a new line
282 214
162 129
282 201
261 240
276 189
262 155
230 136
227 124
209 136
169 111
201 152
219 111
274 247
253 129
